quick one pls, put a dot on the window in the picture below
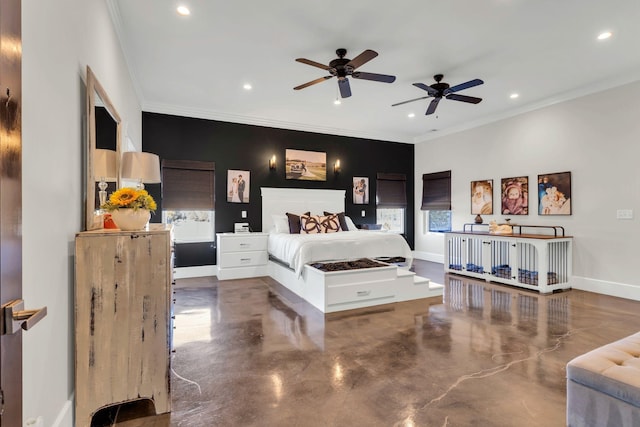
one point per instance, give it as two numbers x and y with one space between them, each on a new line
391 201
188 199
439 221
391 219
436 198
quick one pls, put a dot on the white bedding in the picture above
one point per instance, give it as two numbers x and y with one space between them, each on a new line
300 249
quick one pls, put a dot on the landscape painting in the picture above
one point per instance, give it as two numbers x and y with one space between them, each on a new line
306 165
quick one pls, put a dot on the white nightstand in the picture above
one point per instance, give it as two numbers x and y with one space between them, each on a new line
242 255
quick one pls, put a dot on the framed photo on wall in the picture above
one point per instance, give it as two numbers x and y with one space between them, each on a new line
554 194
515 196
238 186
482 197
305 165
360 190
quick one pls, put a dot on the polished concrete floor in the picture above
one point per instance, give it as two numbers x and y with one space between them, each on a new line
249 353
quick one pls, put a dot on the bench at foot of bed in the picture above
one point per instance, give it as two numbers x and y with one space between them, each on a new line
331 291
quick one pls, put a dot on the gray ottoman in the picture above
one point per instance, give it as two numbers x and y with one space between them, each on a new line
603 386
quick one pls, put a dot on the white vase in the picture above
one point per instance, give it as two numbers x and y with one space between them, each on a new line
131 219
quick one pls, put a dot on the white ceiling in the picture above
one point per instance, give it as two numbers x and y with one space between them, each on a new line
545 50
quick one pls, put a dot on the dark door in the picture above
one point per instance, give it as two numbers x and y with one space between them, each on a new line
10 209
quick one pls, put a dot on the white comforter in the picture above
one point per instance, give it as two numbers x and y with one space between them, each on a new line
300 249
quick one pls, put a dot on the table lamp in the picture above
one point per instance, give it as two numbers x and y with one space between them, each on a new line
104 170
141 167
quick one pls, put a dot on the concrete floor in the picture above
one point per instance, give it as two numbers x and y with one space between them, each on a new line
250 353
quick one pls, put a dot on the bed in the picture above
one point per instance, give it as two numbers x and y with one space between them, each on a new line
291 256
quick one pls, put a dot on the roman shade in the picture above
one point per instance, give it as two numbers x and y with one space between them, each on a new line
188 185
436 191
391 190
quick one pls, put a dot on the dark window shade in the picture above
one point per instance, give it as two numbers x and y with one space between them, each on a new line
391 190
436 191
188 185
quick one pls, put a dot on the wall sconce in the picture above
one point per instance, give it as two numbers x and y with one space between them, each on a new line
336 166
142 167
104 170
272 162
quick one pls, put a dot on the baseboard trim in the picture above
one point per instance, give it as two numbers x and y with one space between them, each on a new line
199 271
65 416
614 289
429 256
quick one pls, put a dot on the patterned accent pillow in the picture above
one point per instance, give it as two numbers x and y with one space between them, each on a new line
330 223
341 218
310 224
294 222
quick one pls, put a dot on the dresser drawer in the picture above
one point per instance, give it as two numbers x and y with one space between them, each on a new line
237 243
378 290
242 259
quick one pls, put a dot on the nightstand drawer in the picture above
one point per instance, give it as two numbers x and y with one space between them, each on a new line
242 243
242 259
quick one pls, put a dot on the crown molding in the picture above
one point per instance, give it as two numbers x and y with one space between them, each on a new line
280 124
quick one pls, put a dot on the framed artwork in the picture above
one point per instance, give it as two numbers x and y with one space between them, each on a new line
554 194
305 165
515 196
238 186
360 190
482 197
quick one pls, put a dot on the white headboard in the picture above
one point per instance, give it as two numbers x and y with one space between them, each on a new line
298 200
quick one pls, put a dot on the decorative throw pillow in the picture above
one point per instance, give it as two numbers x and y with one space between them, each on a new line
350 225
281 223
294 222
343 222
310 224
330 223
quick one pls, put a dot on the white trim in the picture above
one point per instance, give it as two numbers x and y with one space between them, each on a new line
199 271
614 289
65 416
429 256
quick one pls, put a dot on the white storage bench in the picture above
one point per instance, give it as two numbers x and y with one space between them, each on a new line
603 386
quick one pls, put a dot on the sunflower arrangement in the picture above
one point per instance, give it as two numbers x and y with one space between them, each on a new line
129 198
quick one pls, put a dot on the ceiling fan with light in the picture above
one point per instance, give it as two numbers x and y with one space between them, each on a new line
439 90
342 67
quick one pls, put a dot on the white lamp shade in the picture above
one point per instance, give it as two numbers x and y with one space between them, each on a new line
141 166
104 165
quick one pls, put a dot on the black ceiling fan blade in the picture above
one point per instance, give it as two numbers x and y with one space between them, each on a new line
429 89
466 85
312 82
432 107
345 88
385 78
411 100
363 58
313 63
464 98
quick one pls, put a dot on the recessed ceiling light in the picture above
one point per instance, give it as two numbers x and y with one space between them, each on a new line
247 86
604 36
411 115
337 101
183 10
514 95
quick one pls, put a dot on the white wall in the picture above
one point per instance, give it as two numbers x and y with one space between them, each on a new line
59 39
597 139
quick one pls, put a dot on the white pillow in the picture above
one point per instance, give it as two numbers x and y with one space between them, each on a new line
280 223
350 224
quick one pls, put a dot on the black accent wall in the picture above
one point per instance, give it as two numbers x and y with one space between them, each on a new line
247 147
